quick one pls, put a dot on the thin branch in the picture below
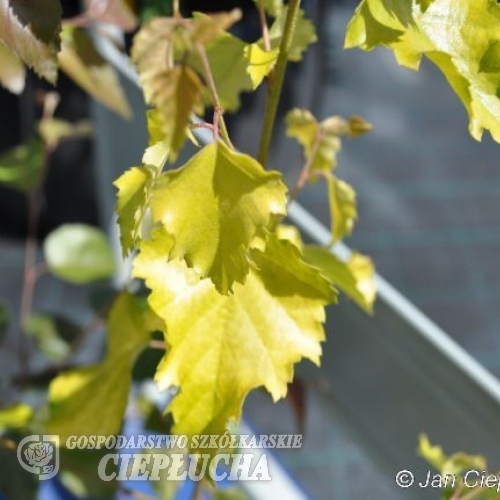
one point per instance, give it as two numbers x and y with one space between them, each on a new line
277 80
306 170
224 132
264 26
209 77
31 268
202 125
177 8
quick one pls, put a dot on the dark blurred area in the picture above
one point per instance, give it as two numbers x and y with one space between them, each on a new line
68 194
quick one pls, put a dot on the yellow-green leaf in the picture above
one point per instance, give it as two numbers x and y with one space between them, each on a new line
275 319
133 194
226 55
459 36
449 465
79 253
12 73
213 206
156 153
291 234
356 277
16 416
91 400
31 31
54 335
304 34
152 49
81 61
320 140
272 7
343 207
53 130
260 62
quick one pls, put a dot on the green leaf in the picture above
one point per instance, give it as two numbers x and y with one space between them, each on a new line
54 335
133 195
20 166
79 254
343 207
81 61
454 464
152 49
12 73
156 153
321 141
291 234
260 62
31 31
229 66
304 34
272 7
459 36
213 206
54 131
92 400
356 277
275 319
15 417
151 9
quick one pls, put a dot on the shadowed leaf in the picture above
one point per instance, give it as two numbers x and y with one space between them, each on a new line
31 30
81 61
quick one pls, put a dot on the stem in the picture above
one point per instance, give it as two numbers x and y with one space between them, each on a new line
306 170
177 8
202 125
224 132
264 26
209 77
277 80
32 271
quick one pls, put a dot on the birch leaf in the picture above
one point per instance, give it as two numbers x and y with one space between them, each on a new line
213 206
275 319
459 36
31 30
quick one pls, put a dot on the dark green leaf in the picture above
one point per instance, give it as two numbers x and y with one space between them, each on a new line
20 166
